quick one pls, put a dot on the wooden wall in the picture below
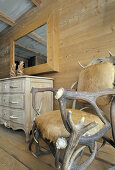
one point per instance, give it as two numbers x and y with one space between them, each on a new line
86 29
4 62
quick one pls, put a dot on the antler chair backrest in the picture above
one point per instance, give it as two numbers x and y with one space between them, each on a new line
97 77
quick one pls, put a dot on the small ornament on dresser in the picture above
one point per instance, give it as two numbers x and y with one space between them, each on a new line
13 70
20 70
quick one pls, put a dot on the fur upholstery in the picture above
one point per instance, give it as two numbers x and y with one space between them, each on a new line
97 77
52 127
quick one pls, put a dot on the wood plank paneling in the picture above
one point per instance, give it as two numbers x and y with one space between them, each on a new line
4 62
86 29
36 2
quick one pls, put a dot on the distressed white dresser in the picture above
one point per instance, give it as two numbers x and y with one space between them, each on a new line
16 110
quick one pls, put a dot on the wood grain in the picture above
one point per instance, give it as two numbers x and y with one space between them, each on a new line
86 29
6 19
36 2
15 154
16 101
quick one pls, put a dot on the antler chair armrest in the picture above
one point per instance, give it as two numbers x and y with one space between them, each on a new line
36 90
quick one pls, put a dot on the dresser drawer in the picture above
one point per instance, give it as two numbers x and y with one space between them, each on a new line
17 116
13 115
0 111
13 100
13 86
0 87
6 86
1 99
6 114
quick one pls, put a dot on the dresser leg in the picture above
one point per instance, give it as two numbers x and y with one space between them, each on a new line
27 136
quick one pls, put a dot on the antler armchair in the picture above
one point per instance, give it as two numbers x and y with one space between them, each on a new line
63 130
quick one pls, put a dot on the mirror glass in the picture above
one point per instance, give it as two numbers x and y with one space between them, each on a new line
32 48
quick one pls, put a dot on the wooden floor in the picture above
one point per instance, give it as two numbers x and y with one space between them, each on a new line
14 154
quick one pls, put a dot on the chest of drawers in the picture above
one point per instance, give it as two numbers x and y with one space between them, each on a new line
16 110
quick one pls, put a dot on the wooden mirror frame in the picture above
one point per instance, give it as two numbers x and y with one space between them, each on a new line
52 64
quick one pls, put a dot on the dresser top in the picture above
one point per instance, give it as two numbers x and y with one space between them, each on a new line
26 76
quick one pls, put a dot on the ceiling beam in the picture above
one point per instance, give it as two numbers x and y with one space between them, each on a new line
6 19
29 49
36 2
38 38
21 56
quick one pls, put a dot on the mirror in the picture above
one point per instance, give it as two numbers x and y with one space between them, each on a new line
37 45
32 48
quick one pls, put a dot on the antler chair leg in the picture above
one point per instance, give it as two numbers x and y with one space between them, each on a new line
71 152
36 135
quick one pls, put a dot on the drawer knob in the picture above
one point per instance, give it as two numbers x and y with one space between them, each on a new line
13 117
6 124
13 102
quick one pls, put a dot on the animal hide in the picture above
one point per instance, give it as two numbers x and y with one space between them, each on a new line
97 77
52 127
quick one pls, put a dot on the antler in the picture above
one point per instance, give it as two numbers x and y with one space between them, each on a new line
111 59
90 63
110 53
71 152
81 64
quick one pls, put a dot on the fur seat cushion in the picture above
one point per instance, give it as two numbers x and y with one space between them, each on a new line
52 127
